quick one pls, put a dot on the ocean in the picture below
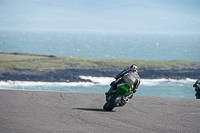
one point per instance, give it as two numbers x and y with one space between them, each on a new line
148 87
129 46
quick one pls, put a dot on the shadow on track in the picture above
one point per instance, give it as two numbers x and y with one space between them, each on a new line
91 109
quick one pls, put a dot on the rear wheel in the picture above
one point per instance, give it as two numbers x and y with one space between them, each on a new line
114 102
104 106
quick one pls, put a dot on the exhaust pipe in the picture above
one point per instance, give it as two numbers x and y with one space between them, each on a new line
126 100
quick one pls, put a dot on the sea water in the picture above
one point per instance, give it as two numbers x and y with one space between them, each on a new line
148 87
131 46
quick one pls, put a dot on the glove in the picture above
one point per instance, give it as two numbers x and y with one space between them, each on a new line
112 83
194 85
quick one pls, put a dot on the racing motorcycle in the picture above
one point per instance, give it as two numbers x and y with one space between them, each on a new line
118 97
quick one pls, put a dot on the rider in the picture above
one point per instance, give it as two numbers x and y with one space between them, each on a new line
129 76
197 88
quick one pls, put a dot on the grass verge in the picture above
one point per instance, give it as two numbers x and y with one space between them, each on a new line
33 61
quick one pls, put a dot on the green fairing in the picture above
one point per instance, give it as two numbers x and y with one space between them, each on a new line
124 89
117 99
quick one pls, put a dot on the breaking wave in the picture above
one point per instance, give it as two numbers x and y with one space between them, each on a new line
148 87
99 81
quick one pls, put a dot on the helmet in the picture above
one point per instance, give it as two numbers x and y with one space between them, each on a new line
134 67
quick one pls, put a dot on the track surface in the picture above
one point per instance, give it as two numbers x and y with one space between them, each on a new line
60 112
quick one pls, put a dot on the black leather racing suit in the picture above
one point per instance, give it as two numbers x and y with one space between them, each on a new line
197 88
126 76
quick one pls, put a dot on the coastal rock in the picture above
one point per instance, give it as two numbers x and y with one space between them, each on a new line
72 75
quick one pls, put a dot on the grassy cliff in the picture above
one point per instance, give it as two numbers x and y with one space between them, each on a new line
33 67
33 61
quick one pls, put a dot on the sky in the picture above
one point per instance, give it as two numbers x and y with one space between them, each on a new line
104 15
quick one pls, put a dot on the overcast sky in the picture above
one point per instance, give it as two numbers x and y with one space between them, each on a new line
101 15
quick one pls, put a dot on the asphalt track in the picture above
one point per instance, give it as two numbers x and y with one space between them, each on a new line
61 112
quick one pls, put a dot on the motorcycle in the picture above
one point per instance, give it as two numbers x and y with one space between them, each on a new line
118 97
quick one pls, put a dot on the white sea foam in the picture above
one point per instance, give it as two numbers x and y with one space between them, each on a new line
99 81
144 82
166 82
32 83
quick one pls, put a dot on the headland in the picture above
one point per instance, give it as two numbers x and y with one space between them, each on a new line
49 68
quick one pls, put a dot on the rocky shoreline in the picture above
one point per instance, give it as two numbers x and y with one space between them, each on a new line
72 75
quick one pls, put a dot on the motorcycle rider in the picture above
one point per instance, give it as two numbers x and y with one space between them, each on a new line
197 88
129 76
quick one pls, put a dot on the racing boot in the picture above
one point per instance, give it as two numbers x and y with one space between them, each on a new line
111 90
109 93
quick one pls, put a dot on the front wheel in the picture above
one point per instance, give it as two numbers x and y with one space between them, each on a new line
114 102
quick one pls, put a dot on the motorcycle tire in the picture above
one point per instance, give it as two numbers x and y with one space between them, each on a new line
114 102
